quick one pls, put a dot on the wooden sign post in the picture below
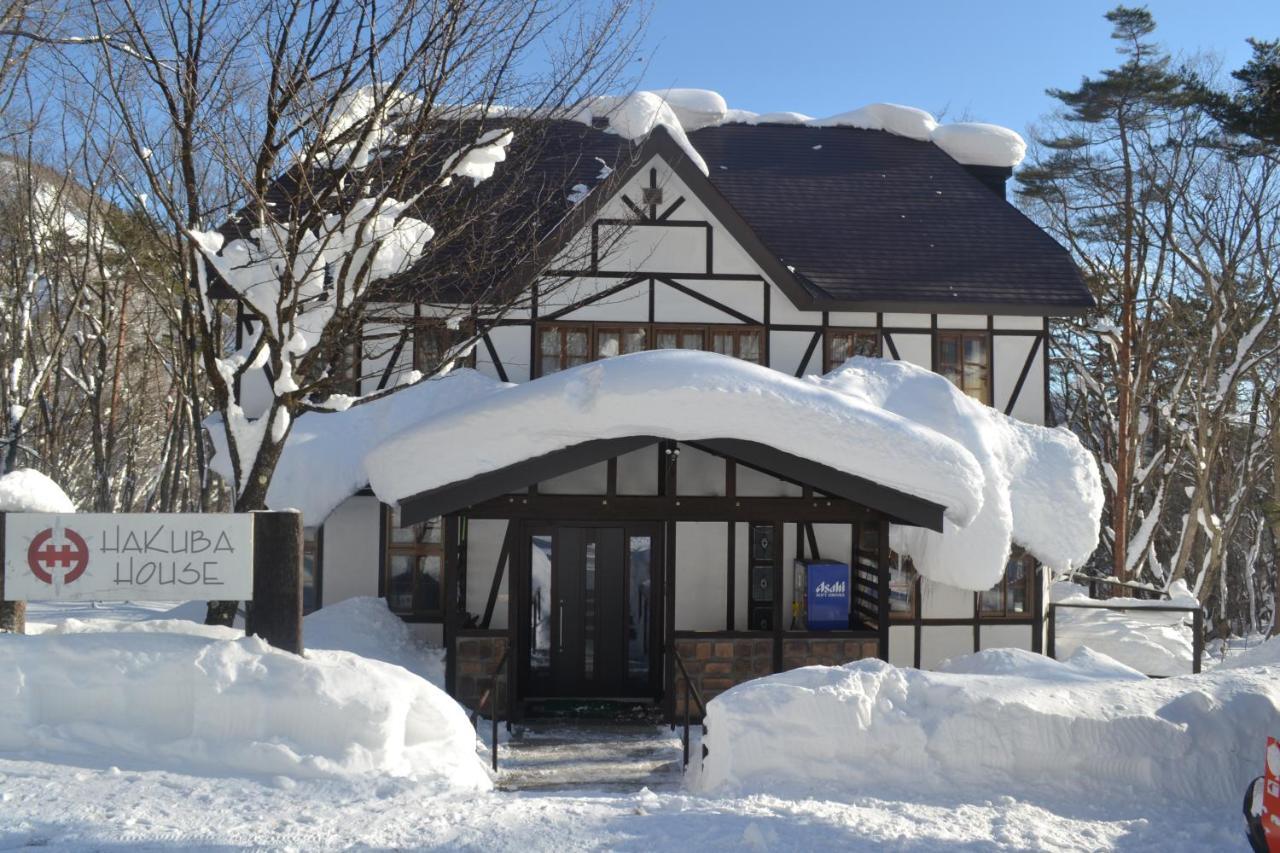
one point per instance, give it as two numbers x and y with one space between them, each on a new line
275 613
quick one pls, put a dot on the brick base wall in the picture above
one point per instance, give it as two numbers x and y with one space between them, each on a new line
715 665
826 652
476 658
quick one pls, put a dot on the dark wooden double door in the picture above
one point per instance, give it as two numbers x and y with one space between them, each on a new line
592 607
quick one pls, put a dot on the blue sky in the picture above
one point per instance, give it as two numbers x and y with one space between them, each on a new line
985 60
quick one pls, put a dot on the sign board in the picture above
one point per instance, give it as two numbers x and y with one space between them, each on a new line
128 557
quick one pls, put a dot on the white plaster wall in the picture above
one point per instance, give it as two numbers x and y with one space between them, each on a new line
913 348
378 346
892 320
700 576
786 349
631 304
835 542
662 248
1009 322
352 544
902 645
1009 354
512 346
782 311
969 322
939 601
852 319
942 642
1030 404
993 636
484 545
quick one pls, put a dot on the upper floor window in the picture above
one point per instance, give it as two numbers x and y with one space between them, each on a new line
1011 597
565 345
433 341
312 567
965 359
844 344
414 566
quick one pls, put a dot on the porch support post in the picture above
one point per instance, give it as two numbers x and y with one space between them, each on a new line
451 569
882 560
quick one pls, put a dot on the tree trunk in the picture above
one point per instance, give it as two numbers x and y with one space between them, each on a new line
1275 515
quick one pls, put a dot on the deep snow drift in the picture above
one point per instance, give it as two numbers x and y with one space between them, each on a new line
996 722
1153 642
27 490
163 696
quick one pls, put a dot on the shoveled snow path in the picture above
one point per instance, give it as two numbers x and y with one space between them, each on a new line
67 807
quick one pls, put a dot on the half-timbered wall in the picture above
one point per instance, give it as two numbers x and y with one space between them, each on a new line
675 263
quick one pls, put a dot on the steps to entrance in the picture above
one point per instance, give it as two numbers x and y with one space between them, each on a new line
551 755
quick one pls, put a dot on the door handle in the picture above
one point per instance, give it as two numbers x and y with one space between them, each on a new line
561 624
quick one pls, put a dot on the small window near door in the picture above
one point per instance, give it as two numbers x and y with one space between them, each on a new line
415 561
540 604
904 587
433 341
312 567
1011 598
639 605
844 344
964 358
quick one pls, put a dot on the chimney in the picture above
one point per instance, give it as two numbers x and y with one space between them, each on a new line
992 177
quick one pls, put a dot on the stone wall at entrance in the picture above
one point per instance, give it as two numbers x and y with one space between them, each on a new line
476 658
716 664
798 652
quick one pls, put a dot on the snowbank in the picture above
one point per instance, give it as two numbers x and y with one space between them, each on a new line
683 395
27 490
323 461
999 723
366 626
683 111
194 704
1041 488
1265 654
1155 643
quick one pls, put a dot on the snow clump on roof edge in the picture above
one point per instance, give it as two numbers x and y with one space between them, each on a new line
683 111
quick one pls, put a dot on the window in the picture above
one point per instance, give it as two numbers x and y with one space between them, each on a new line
415 558
965 359
1011 598
312 567
432 342
562 347
844 344
667 337
904 587
620 340
739 343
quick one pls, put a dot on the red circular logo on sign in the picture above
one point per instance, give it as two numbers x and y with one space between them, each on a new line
44 557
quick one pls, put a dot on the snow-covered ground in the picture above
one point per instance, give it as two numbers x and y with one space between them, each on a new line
102 799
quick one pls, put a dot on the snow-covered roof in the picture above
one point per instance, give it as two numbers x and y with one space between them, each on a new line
902 427
683 111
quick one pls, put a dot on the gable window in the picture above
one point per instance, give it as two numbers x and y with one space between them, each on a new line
965 359
414 562
432 342
844 344
1011 598
562 347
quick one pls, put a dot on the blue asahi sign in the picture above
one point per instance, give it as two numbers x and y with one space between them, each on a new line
128 557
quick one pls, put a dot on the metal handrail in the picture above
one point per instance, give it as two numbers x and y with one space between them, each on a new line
1094 582
492 694
1197 623
690 689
